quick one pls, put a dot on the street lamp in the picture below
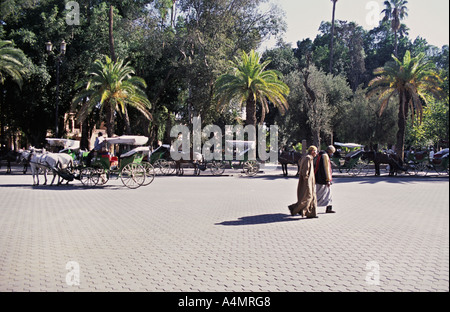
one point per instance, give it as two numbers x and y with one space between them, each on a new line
62 52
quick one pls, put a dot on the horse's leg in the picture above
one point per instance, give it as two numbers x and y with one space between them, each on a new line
45 175
35 173
196 169
377 169
54 176
32 174
178 168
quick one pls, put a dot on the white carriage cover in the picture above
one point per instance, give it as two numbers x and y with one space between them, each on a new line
128 139
349 145
66 143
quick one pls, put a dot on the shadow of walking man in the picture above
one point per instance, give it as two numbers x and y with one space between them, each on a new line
260 219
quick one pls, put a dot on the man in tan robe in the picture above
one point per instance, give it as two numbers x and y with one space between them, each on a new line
306 191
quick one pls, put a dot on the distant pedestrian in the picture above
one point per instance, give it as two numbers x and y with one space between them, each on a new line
324 177
306 191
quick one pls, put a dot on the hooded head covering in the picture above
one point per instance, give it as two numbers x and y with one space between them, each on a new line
311 149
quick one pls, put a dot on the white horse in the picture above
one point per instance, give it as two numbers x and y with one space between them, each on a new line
39 159
36 161
58 162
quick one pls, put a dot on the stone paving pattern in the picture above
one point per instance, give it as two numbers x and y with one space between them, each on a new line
224 234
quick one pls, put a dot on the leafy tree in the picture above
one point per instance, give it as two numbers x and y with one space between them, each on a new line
409 79
112 86
318 103
362 123
249 82
395 12
11 66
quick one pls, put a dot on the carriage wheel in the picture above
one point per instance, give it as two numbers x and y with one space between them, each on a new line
149 172
133 175
217 167
165 166
251 168
89 176
421 169
360 168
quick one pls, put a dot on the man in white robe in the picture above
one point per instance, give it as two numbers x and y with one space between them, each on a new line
324 177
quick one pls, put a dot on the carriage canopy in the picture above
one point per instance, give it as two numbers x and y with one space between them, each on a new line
349 145
66 143
128 140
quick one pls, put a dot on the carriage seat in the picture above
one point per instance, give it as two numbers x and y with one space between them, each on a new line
420 155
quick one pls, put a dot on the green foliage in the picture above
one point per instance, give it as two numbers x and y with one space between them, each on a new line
180 48
11 63
434 127
249 82
112 86
409 79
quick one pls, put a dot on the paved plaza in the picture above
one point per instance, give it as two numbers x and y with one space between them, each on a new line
224 234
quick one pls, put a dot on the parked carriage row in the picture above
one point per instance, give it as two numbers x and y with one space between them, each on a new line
138 166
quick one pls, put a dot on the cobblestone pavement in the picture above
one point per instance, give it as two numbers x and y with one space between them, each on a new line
226 234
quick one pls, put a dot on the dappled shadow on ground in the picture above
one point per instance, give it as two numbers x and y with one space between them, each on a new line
262 219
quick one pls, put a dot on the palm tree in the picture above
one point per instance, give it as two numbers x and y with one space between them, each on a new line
10 66
409 79
11 63
249 82
111 86
332 35
395 12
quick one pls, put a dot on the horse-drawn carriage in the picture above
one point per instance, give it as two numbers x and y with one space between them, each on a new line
97 168
417 162
239 152
160 158
129 166
352 162
421 163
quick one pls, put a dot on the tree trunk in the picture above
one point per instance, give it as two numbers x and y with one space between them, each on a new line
251 111
127 122
111 33
84 142
332 36
316 137
109 121
396 45
172 15
402 115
